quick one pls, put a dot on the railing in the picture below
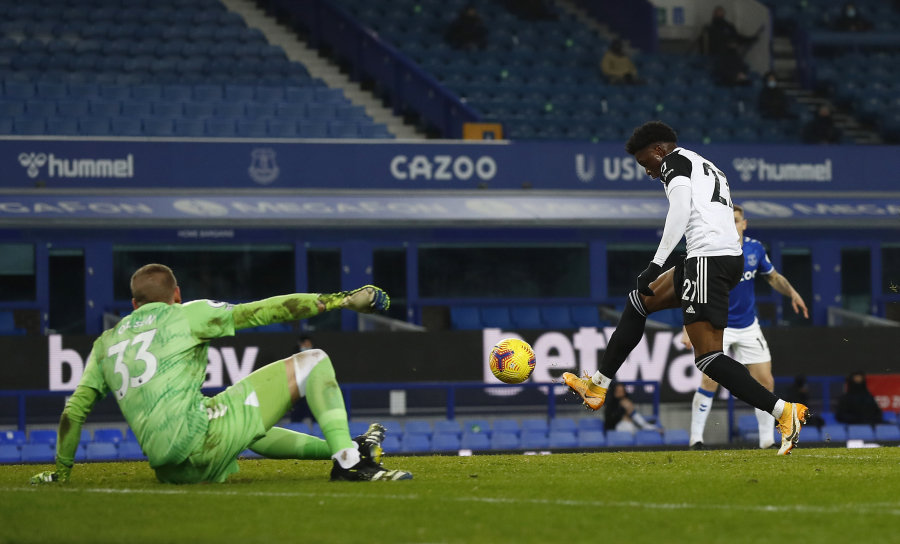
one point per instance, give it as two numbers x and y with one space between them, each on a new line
839 317
449 388
372 57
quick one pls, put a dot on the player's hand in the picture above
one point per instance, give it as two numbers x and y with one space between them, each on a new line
798 304
686 339
365 300
646 278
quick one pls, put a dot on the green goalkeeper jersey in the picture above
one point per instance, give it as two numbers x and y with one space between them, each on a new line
154 362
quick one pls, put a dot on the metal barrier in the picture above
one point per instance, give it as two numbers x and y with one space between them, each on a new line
449 388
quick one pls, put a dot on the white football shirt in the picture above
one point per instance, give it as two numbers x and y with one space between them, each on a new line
710 228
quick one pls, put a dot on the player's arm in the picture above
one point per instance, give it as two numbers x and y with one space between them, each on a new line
676 223
783 286
90 389
365 300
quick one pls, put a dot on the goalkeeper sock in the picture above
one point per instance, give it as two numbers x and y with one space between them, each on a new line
736 378
626 337
286 444
766 424
700 408
327 404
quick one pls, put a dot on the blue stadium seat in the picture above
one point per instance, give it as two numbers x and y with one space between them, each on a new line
475 441
292 111
747 424
51 91
415 443
12 108
232 110
505 441
327 95
557 317
199 110
38 453
860 432
808 434
105 108
343 129
465 318
497 316
40 108
392 427
833 433
250 454
27 126
42 437
477 426
561 439
129 436
113 436
676 437
358 428
251 128
590 424
890 417
177 93
391 443
417 427
447 427
85 438
535 425
12 438
374 131
351 113
506 426
281 129
299 95
158 127
534 440
299 427
445 442
648 438
173 110
131 451
94 126
6 128
526 317
259 111
146 92
591 439
887 431
239 93
124 126
563 424
829 418
619 439
586 316
321 112
72 108
220 128
14 89
9 454
194 128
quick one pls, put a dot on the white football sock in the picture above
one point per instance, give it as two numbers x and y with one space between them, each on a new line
778 410
700 408
601 380
766 428
347 457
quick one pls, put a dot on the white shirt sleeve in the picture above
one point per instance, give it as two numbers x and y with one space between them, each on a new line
676 222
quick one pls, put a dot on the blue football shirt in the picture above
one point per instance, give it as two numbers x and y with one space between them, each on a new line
742 299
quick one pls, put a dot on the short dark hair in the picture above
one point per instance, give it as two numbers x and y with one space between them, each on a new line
153 283
739 209
653 132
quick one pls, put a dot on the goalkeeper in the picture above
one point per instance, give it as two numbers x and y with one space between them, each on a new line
154 362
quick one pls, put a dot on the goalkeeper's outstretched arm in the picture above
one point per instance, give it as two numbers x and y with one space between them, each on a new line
68 436
366 300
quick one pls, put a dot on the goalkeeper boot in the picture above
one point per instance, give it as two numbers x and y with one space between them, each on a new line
367 471
370 444
593 395
789 424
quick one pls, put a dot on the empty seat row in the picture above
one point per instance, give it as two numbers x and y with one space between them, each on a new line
131 48
149 65
532 440
15 90
53 33
166 78
95 451
526 317
138 15
18 438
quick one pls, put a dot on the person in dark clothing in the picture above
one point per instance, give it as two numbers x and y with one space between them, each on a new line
721 34
620 414
467 31
530 10
821 129
772 101
731 70
857 405
799 392
851 21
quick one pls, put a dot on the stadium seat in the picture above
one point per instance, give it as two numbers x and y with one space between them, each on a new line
312 129
807 434
676 437
506 426
251 128
126 127
343 129
648 438
527 317
563 424
465 318
859 432
477 426
504 441
392 427
415 443
101 451
833 433
447 427
131 451
557 317
497 317
29 127
535 425
158 127
113 436
590 424
747 424
586 316
250 454
475 441
886 431
94 127
58 126
358 428
417 427
220 128
890 417
38 453
591 439
129 436
391 443
619 439
12 438
190 127
562 439
534 440
42 437
281 128
445 442
829 418
9 454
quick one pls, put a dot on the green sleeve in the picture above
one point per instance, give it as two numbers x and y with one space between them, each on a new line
277 310
77 408
209 319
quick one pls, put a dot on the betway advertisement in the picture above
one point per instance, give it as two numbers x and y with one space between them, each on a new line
315 164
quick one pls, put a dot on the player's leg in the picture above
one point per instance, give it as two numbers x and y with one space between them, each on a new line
700 407
762 372
627 335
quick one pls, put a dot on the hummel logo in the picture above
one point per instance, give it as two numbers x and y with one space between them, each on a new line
690 310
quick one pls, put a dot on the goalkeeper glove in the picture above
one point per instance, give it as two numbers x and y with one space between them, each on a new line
365 300
646 278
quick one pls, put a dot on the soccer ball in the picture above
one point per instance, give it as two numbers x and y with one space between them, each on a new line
512 360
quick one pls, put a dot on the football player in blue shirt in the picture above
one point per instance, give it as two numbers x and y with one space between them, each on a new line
744 336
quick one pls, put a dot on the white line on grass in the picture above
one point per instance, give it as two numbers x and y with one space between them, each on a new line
892 509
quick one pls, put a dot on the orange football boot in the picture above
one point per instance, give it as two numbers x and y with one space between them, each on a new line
594 396
789 425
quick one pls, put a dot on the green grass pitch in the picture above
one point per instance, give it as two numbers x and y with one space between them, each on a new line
813 495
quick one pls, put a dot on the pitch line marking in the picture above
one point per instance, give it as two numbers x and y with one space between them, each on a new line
862 508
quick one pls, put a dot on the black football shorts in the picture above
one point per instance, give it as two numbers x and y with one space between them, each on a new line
703 284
